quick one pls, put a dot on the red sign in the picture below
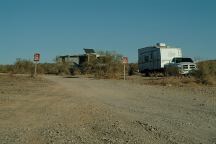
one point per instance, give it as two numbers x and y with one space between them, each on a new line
36 57
124 60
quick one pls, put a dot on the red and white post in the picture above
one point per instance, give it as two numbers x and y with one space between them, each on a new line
36 60
125 61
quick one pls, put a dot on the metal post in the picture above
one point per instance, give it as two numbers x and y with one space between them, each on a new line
124 73
214 106
35 72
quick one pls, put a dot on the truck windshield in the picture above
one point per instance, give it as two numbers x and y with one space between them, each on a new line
179 60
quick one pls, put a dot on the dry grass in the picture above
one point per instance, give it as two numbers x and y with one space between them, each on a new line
110 67
206 73
12 86
164 81
23 66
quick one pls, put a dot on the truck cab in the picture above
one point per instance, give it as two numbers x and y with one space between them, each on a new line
182 64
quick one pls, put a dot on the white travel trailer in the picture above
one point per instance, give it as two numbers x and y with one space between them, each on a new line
153 58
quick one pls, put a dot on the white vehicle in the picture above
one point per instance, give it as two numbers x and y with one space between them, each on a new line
182 65
153 58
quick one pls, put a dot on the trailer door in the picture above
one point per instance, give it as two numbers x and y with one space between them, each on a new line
156 60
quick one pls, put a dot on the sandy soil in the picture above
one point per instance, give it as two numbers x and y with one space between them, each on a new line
81 110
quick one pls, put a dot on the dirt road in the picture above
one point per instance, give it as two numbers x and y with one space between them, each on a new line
82 110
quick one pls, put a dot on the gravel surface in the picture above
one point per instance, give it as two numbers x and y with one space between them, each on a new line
58 110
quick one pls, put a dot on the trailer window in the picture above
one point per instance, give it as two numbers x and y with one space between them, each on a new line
151 56
179 60
146 58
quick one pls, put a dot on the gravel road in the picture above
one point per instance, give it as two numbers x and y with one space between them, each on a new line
65 110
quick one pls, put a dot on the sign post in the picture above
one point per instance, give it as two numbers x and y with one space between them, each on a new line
36 60
125 61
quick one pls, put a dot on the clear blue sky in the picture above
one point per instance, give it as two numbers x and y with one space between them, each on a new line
58 27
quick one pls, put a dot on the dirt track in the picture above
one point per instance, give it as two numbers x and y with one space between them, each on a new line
80 110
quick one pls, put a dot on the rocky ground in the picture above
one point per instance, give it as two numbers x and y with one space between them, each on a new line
65 110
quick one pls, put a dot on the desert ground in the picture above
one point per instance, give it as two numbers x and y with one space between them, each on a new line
64 110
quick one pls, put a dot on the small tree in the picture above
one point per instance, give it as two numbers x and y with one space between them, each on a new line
108 65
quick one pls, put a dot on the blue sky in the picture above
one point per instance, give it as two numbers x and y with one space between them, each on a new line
58 27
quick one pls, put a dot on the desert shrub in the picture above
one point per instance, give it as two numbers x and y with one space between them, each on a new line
112 70
110 56
47 68
6 68
133 68
23 66
63 68
54 68
171 71
108 65
74 70
206 72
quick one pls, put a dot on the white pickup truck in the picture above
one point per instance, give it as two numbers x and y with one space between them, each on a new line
182 65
